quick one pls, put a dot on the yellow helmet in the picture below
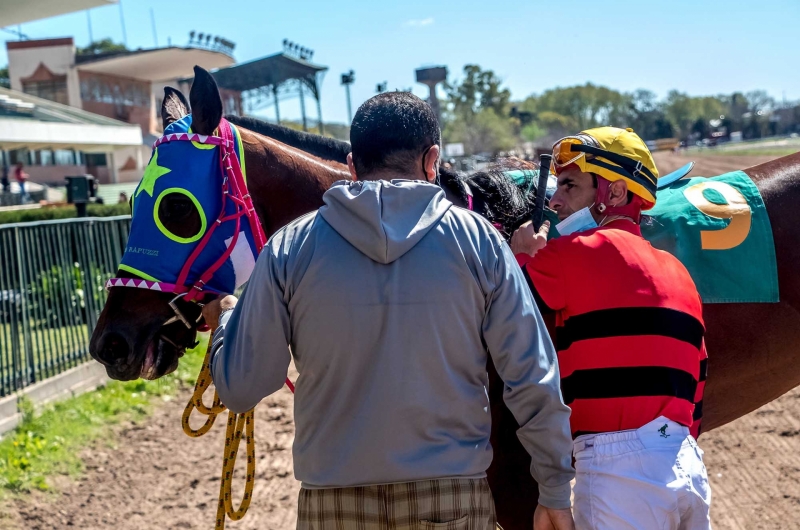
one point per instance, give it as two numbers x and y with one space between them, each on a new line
613 154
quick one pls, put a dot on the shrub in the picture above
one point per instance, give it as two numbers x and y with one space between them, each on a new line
62 212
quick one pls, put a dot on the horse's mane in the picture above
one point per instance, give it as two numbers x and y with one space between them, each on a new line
321 146
498 197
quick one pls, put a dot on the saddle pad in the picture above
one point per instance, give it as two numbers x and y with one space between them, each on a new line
719 229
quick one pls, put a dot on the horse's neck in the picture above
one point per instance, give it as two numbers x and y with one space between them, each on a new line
285 182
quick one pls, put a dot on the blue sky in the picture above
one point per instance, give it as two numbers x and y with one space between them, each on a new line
697 46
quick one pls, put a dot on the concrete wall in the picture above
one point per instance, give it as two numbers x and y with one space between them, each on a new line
130 162
58 55
83 378
120 98
137 115
53 175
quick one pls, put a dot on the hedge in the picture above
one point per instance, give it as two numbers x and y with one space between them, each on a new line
62 212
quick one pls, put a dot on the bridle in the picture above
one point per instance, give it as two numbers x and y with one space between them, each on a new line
471 204
234 189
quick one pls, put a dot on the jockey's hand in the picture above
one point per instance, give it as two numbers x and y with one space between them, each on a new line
552 519
213 309
526 241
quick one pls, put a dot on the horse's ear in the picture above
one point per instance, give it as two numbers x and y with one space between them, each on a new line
174 106
206 102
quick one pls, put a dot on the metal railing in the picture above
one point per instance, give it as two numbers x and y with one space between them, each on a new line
9 198
52 278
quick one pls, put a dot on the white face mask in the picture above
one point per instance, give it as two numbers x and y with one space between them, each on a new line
577 222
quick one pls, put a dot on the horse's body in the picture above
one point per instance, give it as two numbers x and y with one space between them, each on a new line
752 347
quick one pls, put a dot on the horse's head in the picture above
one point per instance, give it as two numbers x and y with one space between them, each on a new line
176 236
504 193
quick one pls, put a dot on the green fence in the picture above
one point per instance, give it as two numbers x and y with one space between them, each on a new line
52 278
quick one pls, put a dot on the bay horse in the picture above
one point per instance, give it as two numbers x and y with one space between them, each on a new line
752 347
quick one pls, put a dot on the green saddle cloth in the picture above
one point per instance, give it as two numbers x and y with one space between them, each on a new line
719 229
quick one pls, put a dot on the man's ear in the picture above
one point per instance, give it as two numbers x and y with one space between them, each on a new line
351 166
429 163
618 193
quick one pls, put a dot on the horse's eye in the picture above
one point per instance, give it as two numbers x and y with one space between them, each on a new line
179 215
176 207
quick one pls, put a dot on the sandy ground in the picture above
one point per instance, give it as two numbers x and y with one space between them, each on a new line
156 477
706 166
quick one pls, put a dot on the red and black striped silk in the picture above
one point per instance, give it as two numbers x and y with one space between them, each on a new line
629 329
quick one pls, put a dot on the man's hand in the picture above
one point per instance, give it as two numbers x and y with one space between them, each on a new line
213 309
526 241
551 519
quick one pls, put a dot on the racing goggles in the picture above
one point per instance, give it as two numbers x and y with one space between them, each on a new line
581 150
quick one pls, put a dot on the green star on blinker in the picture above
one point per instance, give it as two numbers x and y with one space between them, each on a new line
151 174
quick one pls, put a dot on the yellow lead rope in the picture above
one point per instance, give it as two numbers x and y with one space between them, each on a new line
237 424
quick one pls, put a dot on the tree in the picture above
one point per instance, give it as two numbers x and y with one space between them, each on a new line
482 132
101 46
532 132
586 105
477 113
480 89
689 116
5 80
647 116
760 106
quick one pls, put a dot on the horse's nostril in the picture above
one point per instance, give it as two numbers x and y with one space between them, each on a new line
115 348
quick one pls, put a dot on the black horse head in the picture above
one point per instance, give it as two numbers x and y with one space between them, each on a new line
505 201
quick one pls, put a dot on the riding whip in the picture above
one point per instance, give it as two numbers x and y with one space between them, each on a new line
541 189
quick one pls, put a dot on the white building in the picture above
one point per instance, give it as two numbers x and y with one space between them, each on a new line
125 86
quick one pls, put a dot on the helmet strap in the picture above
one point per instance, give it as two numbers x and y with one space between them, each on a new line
633 209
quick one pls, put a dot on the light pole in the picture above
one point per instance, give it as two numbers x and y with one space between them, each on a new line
347 80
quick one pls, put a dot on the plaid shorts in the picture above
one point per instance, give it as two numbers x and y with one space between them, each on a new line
446 504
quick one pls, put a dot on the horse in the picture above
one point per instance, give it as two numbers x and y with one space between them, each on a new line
288 172
751 346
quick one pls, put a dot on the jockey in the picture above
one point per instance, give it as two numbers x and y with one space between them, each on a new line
629 339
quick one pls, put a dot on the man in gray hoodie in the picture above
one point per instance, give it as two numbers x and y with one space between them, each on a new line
390 298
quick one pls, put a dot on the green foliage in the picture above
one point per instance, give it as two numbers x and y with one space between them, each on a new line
585 106
62 212
339 131
533 131
479 113
50 442
101 46
485 131
563 111
56 288
689 114
479 90
5 79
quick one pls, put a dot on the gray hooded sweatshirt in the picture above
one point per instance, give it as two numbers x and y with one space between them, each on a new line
390 299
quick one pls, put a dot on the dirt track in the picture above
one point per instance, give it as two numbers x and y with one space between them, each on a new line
706 166
156 477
